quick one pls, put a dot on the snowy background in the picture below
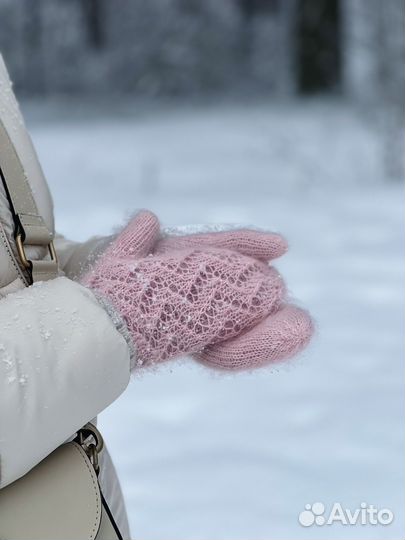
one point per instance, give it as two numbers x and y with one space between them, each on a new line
202 455
287 114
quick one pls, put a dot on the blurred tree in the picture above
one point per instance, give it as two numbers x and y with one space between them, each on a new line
318 45
265 45
10 41
390 51
250 8
374 55
95 19
33 28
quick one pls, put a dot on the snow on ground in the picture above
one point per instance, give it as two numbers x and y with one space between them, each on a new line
202 455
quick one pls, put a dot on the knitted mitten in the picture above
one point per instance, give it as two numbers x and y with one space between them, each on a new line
205 295
260 245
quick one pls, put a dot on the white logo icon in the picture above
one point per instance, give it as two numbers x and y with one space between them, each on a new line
367 514
312 514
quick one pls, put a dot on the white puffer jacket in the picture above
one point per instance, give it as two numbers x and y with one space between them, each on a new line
62 360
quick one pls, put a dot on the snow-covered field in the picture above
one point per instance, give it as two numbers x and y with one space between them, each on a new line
208 456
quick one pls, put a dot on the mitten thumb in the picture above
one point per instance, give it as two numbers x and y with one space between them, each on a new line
138 237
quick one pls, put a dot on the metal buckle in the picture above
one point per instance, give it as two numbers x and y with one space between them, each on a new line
21 252
91 447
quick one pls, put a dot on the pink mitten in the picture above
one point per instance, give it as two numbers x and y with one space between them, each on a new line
261 245
220 305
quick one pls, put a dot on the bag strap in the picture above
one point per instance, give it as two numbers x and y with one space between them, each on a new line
29 227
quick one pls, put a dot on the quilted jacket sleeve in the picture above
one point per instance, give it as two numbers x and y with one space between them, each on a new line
62 361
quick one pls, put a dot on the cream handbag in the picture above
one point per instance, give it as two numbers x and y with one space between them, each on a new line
60 498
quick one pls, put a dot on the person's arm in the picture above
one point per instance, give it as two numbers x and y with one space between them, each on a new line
62 361
75 258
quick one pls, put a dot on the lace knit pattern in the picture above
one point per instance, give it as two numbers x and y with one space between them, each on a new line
180 302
